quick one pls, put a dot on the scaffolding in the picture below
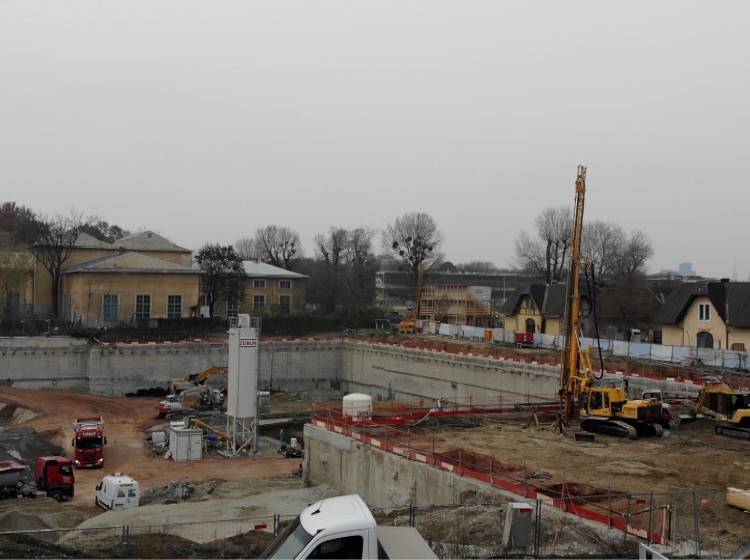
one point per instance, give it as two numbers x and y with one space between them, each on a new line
457 304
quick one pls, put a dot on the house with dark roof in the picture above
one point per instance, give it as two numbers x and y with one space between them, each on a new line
535 308
707 314
136 279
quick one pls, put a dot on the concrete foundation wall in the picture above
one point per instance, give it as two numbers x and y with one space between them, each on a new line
402 372
384 479
347 366
116 370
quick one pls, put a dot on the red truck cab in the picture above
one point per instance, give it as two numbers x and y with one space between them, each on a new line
89 442
55 476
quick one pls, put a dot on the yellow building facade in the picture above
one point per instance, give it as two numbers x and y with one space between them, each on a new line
270 290
139 278
707 315
538 308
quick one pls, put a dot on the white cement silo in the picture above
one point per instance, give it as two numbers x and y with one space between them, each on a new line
242 378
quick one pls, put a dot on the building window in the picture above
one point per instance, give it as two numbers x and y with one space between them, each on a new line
259 301
143 307
704 311
12 301
259 283
110 307
233 307
285 304
285 284
174 307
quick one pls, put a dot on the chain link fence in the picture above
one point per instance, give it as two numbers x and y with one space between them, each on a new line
467 530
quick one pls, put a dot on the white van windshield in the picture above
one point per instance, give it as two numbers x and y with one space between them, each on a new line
289 543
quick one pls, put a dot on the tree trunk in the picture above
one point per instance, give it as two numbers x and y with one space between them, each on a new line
56 295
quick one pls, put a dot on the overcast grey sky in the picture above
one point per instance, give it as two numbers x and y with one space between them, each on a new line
205 120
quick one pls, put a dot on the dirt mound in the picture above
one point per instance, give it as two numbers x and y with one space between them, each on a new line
19 521
24 546
26 444
247 545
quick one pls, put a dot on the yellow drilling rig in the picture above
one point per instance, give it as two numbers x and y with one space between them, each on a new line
599 405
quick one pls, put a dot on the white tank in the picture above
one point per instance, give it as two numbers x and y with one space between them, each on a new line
242 380
357 405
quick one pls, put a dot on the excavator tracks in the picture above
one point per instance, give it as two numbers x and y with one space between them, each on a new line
609 427
732 431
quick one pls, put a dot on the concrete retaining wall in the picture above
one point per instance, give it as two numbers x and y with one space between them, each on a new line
396 372
309 365
116 370
384 479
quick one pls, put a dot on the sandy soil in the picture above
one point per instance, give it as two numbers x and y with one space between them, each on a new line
690 457
126 420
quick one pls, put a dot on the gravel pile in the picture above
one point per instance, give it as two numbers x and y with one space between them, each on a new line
26 444
178 491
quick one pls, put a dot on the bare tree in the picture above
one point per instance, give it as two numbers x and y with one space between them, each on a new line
331 247
346 268
245 247
415 239
56 240
636 252
360 272
547 253
603 244
277 245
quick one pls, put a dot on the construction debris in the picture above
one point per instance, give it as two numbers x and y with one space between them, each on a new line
738 498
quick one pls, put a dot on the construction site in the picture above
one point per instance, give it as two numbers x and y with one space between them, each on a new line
211 448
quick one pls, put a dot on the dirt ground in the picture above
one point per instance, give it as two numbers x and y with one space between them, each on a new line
690 456
126 420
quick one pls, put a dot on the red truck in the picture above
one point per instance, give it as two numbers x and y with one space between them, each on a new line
89 442
55 476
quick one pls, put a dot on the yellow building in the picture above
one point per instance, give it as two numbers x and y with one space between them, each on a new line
130 288
707 315
270 290
16 284
136 279
537 308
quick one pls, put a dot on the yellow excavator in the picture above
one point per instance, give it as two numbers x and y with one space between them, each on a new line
600 406
179 384
729 407
410 324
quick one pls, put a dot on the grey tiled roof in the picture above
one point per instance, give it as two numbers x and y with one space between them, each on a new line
727 297
130 263
148 241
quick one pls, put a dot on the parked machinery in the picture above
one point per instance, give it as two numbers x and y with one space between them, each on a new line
179 384
729 407
601 406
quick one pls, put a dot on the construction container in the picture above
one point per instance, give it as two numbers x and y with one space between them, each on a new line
185 445
357 405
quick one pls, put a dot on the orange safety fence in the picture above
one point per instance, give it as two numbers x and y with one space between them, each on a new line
635 514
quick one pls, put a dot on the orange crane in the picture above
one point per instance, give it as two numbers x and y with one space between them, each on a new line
600 406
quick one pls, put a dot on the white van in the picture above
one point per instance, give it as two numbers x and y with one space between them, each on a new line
117 491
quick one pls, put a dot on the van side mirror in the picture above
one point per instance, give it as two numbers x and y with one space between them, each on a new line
99 486
105 440
73 442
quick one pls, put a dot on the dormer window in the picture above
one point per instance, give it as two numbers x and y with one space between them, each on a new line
704 311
